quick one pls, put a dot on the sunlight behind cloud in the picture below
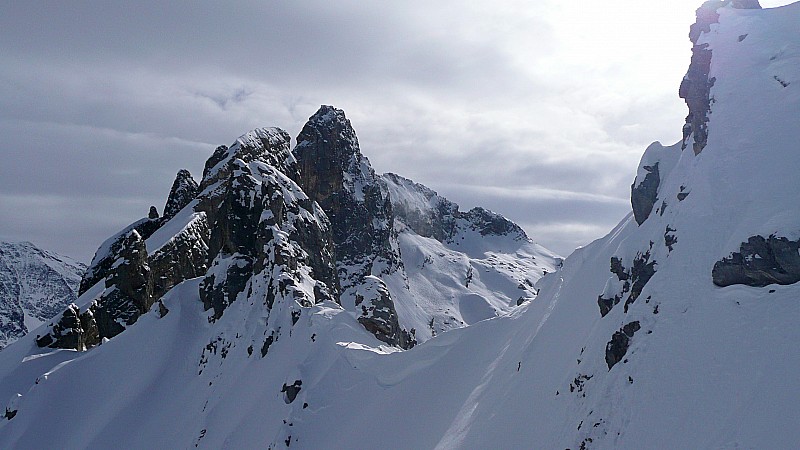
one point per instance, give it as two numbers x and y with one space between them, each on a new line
536 97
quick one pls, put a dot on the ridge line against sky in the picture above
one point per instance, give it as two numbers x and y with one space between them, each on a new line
539 112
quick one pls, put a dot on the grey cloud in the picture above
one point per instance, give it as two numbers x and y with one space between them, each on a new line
102 102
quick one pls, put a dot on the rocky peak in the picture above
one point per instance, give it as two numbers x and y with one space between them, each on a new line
262 224
327 148
250 231
334 173
184 190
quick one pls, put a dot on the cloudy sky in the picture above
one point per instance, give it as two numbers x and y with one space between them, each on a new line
539 110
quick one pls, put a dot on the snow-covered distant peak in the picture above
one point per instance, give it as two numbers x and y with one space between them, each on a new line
35 285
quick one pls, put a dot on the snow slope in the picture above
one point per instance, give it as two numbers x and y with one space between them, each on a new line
35 285
703 367
458 267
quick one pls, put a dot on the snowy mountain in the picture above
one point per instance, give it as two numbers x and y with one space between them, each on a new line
676 330
35 285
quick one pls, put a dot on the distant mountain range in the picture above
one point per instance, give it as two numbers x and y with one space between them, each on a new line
35 285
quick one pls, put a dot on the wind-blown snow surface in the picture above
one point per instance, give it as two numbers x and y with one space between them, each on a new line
709 367
461 273
35 285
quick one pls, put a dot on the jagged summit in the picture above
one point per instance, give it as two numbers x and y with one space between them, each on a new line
312 224
338 177
184 190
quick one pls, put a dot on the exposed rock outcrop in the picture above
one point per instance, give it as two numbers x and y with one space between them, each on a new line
290 391
378 315
696 86
336 175
110 251
332 170
183 191
760 262
182 257
133 277
68 331
644 196
654 167
618 346
632 282
127 295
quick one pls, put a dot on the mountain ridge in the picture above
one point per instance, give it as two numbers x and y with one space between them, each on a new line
632 342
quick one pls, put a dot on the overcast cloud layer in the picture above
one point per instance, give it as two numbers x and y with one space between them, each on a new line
537 110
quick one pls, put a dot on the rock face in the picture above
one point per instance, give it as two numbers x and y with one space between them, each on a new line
126 277
644 196
68 330
437 218
760 262
129 288
338 177
183 191
378 314
696 86
110 250
182 257
332 170
125 292
263 225
35 285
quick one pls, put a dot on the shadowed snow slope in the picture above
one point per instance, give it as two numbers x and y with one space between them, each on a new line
632 343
